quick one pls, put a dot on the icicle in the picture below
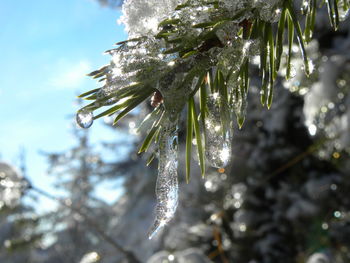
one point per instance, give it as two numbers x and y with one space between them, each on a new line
84 118
238 101
241 110
218 132
167 183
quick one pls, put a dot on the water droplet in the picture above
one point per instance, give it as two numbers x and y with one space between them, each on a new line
309 69
84 118
167 182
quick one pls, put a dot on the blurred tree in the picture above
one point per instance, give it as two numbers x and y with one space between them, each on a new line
19 232
80 217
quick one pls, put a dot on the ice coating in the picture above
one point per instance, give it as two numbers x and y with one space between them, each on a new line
167 182
238 100
218 132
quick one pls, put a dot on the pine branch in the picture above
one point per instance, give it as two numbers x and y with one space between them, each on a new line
173 52
205 48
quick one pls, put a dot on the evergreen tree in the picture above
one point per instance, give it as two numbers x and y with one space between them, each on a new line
78 172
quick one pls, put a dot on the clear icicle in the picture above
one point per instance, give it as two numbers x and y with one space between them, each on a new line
218 132
240 109
238 101
167 182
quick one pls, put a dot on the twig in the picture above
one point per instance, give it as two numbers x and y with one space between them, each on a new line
314 147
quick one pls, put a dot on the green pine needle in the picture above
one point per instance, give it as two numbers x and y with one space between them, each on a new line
189 136
200 146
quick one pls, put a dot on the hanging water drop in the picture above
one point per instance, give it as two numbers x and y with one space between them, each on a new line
84 118
218 132
308 69
167 182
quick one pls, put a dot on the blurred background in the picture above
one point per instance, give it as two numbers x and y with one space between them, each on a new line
83 196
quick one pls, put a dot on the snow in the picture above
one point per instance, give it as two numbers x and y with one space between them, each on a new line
141 17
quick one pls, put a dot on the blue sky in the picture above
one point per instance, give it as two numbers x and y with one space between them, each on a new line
46 49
